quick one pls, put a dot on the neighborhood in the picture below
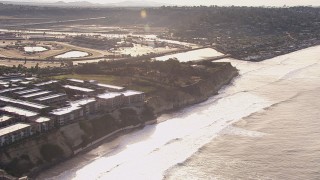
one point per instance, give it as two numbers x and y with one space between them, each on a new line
30 106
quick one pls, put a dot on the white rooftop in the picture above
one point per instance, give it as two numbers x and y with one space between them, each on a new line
4 118
78 88
76 80
82 102
11 89
36 94
109 95
64 110
28 91
24 103
13 128
19 111
50 97
42 119
46 83
131 93
110 86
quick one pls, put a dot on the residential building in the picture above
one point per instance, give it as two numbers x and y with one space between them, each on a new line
15 132
110 100
6 120
52 99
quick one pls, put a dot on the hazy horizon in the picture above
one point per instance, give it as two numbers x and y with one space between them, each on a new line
201 2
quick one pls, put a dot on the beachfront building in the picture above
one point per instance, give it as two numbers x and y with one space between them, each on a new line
42 124
110 87
80 90
15 132
89 105
110 100
133 97
66 115
22 104
18 113
53 99
6 120
35 95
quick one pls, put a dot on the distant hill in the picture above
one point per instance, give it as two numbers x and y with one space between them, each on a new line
137 4
87 4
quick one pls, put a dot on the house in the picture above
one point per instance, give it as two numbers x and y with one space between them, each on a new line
15 132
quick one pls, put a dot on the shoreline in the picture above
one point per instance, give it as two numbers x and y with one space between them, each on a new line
125 130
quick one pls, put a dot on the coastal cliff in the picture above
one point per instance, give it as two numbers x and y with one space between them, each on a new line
37 153
164 101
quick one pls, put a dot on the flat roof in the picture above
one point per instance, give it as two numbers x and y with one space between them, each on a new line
13 128
18 111
24 103
16 80
110 86
46 83
109 95
25 82
3 82
11 89
76 80
42 119
4 118
27 91
82 102
36 94
30 78
131 93
78 88
50 97
64 110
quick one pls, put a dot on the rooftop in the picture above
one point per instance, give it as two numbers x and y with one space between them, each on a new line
4 118
13 128
78 88
110 86
46 83
18 111
109 95
27 91
64 110
42 119
131 93
11 89
82 102
36 94
24 103
76 80
50 97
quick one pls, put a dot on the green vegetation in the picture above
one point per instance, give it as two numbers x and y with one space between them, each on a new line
100 78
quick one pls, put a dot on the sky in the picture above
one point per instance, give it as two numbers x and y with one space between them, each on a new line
208 2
